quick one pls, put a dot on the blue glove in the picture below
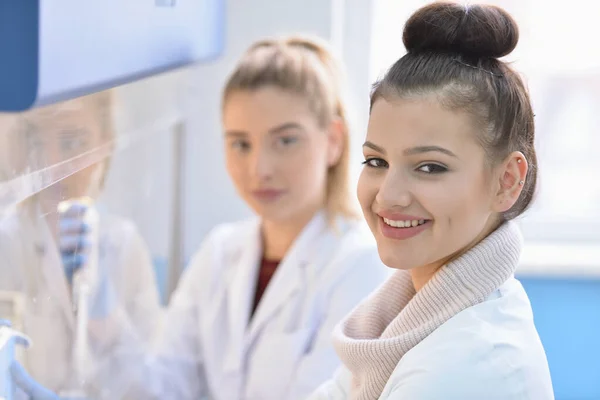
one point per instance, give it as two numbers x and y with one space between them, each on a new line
75 245
74 240
27 384
22 379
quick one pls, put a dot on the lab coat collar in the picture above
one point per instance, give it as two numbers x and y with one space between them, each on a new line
294 272
291 275
47 260
241 284
299 268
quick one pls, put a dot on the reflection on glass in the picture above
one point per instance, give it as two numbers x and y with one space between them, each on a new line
47 145
43 251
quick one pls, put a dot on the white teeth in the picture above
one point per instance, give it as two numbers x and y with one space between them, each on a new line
404 224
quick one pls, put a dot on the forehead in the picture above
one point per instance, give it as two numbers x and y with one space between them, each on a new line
265 108
419 121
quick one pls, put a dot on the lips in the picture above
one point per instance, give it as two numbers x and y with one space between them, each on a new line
401 226
404 223
267 195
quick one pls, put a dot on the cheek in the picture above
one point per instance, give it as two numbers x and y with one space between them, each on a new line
457 200
235 169
366 190
81 180
52 155
306 165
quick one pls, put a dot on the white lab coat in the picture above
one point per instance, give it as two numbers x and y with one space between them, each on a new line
30 263
212 349
489 351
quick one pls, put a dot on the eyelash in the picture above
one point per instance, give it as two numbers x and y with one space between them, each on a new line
440 168
287 140
368 161
240 145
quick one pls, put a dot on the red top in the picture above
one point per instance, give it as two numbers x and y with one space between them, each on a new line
267 269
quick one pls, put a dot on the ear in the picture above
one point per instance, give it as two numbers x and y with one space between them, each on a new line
336 138
511 180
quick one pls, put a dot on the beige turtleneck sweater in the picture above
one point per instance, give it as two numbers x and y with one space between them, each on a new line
376 335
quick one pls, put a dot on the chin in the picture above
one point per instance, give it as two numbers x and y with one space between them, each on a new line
276 214
392 260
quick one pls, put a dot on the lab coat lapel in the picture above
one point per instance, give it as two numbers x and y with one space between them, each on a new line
241 283
48 264
291 275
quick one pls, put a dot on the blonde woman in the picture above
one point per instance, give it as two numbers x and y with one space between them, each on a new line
41 249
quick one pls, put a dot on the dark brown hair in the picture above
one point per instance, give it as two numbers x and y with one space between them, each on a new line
452 52
304 66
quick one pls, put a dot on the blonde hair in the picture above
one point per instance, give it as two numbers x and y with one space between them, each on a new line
304 66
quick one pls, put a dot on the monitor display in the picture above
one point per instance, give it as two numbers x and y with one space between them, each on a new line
55 50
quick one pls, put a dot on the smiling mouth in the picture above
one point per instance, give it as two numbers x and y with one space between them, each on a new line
409 223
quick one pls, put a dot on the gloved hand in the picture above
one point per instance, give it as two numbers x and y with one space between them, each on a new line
22 379
28 385
74 239
5 322
75 247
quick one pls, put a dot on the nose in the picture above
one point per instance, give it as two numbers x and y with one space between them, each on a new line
394 190
262 164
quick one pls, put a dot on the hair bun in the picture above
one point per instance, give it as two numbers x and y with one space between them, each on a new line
475 30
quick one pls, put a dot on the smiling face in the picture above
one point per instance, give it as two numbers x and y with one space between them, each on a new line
427 191
277 153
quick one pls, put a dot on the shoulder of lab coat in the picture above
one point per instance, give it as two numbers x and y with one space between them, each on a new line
359 271
9 249
354 271
15 251
132 325
488 351
132 273
336 388
204 268
133 258
175 360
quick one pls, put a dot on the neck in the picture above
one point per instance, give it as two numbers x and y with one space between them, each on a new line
421 275
278 236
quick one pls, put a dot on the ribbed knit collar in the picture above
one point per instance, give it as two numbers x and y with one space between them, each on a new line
376 335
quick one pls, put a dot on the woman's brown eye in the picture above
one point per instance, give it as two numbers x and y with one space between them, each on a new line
375 163
432 168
